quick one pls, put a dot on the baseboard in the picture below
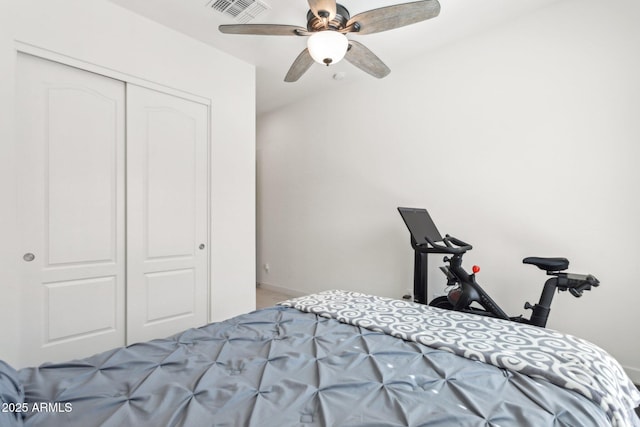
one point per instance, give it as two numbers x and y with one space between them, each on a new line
273 288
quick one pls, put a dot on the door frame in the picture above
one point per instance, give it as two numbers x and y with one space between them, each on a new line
30 49
108 72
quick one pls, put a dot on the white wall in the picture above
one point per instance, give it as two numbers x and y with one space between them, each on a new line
523 140
101 33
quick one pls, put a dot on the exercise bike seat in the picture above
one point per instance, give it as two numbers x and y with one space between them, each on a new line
548 264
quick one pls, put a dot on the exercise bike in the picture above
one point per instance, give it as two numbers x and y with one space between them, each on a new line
463 291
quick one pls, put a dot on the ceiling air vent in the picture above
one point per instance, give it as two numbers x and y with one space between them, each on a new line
242 11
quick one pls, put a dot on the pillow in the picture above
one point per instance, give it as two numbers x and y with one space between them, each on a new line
11 397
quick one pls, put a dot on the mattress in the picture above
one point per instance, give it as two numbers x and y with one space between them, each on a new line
288 366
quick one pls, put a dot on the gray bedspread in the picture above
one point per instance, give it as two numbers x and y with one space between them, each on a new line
562 359
284 367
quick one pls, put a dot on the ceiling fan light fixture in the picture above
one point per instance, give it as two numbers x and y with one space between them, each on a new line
327 47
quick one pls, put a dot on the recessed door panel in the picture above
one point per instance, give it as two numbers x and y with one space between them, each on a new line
170 295
81 161
93 300
170 182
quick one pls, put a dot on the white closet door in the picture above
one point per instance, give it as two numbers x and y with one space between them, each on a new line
167 211
71 199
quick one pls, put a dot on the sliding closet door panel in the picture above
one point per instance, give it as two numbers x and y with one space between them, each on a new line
71 133
167 214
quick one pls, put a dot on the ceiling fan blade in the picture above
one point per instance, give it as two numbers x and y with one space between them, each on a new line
300 66
366 60
320 8
264 29
396 16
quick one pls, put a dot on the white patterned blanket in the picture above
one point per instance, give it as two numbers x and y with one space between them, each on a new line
561 359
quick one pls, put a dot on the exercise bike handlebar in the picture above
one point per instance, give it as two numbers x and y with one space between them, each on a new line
451 245
576 284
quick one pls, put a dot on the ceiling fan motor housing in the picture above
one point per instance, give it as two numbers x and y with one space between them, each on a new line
315 24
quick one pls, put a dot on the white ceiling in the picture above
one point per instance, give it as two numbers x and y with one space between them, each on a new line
273 55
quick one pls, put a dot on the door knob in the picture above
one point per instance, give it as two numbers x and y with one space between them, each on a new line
201 246
28 257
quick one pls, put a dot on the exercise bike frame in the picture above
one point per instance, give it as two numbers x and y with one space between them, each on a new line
464 290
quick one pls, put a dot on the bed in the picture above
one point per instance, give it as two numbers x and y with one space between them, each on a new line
335 358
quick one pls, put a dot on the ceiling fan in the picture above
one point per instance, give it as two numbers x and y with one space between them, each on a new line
327 25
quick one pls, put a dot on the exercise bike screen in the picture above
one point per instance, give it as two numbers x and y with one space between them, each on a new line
420 224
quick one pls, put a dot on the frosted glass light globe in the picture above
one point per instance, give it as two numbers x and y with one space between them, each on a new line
327 47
